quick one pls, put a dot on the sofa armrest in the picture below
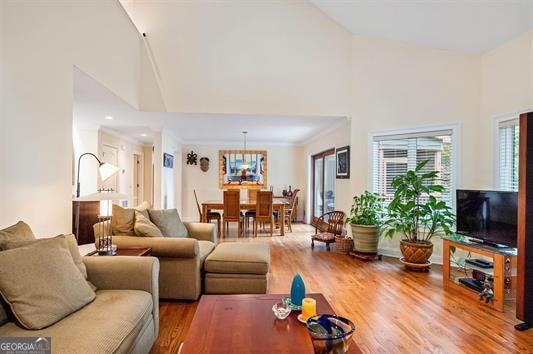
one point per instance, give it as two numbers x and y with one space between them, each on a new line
161 246
126 273
114 273
201 231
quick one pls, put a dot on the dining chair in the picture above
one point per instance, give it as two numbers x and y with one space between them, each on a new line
290 213
327 227
250 214
211 215
263 211
232 211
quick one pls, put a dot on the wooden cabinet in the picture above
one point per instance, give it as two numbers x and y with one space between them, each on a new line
84 216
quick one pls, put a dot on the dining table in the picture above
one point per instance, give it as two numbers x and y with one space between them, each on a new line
278 205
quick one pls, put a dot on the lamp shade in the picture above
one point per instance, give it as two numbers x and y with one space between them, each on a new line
107 170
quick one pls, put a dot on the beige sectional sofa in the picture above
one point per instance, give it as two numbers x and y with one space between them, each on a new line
181 259
122 315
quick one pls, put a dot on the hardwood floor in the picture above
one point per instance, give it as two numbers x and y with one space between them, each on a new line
395 311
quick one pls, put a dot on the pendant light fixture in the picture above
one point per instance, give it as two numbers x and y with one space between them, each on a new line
244 164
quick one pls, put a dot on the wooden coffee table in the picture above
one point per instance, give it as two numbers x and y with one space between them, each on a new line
246 324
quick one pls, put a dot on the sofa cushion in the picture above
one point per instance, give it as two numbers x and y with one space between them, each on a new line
169 222
72 247
239 258
110 324
18 232
123 221
205 248
41 283
144 227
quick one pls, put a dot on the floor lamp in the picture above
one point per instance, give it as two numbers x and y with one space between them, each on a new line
105 170
104 243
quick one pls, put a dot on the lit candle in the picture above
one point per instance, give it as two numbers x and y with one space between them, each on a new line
308 308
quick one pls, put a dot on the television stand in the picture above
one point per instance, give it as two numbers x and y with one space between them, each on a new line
524 326
487 243
458 274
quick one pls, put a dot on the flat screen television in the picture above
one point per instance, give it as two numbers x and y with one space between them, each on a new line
489 216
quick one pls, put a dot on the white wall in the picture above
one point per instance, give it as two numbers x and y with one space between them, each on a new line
506 88
167 181
338 137
285 167
267 57
400 86
171 177
85 140
40 44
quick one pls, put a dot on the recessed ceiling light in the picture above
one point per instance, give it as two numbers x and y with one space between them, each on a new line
143 134
108 117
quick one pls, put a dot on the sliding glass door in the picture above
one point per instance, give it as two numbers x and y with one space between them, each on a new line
323 183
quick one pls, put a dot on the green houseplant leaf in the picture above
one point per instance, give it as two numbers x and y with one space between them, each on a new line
415 209
367 209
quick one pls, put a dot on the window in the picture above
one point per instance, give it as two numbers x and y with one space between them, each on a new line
508 134
394 155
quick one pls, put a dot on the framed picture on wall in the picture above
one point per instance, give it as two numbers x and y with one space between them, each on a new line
343 162
168 160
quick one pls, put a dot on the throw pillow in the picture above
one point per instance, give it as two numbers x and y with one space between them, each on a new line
123 221
18 232
41 283
72 247
144 227
5 312
169 222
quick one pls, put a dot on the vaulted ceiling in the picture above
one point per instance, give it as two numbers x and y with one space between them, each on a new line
458 25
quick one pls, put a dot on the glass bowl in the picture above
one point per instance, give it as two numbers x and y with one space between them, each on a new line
330 333
281 310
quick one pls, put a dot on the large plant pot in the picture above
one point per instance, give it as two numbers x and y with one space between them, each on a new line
365 238
416 252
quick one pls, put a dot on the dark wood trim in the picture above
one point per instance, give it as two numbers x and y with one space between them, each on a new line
320 155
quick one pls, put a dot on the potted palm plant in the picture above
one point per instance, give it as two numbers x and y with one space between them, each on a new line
364 219
417 213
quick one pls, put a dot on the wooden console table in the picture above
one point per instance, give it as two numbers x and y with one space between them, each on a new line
503 271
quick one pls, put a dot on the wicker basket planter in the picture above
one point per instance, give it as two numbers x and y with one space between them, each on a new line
343 245
418 252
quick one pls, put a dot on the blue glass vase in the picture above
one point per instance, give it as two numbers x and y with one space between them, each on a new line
297 290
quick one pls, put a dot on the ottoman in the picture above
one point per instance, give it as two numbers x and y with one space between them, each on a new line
237 268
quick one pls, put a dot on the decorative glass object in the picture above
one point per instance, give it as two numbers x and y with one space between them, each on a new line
297 290
281 310
287 301
330 333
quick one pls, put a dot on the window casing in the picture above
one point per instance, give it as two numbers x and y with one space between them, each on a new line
394 155
508 137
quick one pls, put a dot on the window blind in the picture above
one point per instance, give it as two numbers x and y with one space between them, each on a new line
394 155
508 134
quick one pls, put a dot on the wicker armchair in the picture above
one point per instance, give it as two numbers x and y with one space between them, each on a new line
327 227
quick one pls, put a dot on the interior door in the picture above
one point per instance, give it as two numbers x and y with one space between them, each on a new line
109 154
137 179
323 183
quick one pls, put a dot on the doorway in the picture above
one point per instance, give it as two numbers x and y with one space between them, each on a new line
323 173
138 173
110 155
